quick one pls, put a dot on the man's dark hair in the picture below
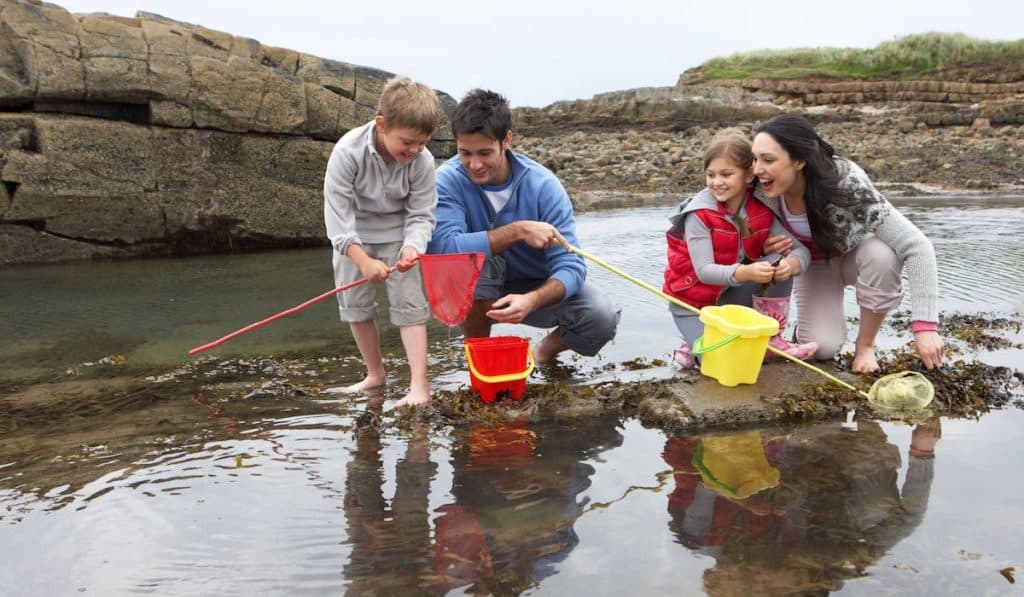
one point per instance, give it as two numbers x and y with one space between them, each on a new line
484 112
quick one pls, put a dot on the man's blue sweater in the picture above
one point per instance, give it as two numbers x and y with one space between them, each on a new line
464 216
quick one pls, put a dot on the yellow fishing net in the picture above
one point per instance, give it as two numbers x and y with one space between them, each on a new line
907 390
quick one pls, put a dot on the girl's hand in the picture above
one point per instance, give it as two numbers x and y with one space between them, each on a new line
780 244
759 271
929 348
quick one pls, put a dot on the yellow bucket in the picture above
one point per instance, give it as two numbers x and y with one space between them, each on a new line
734 342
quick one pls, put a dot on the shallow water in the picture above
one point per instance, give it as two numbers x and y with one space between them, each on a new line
114 480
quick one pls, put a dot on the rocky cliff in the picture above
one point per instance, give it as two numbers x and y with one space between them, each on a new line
124 137
913 137
146 136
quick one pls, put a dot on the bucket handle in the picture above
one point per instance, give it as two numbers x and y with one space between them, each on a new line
699 348
504 376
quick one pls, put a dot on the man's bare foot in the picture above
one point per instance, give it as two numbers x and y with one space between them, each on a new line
864 360
415 397
549 347
369 382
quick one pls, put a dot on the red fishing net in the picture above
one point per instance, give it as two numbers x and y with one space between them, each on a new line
449 281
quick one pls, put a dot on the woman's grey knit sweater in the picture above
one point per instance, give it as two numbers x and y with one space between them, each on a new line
872 214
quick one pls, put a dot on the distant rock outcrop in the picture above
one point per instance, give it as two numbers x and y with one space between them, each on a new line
644 145
147 136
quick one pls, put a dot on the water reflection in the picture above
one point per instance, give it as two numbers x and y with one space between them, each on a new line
114 482
799 512
515 496
390 542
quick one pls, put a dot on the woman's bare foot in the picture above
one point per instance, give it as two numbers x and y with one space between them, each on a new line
864 360
415 397
368 383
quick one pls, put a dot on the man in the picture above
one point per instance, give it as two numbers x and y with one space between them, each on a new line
515 211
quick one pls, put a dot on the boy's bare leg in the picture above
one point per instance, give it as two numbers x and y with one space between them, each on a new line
549 347
864 360
414 338
368 342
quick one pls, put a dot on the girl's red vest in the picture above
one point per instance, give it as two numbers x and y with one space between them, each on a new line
680 278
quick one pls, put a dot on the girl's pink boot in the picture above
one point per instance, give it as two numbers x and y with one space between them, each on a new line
778 309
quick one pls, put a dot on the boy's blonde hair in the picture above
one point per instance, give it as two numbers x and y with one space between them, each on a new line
732 144
407 104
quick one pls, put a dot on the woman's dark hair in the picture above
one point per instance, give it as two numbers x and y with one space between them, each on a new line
797 136
484 112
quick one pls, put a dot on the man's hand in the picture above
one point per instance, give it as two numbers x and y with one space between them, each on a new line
541 235
513 308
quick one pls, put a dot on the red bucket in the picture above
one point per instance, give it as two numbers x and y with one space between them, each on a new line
499 364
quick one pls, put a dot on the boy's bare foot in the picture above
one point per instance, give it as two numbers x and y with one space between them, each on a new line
864 360
414 398
368 383
549 347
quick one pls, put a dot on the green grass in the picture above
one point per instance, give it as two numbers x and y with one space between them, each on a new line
913 56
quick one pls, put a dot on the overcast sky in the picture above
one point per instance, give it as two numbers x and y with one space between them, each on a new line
539 51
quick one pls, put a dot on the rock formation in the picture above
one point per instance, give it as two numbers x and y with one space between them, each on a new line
643 146
124 137
147 136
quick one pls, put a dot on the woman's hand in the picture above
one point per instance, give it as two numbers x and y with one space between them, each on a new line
929 348
926 435
786 269
779 243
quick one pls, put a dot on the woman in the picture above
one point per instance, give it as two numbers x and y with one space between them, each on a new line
856 237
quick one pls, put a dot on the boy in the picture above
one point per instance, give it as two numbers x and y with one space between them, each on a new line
379 202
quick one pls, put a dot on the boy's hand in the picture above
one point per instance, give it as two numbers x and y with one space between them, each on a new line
373 270
408 259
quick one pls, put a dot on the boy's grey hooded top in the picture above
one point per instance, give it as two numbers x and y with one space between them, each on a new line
368 200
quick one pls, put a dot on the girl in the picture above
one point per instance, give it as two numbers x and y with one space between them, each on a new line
715 250
856 237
